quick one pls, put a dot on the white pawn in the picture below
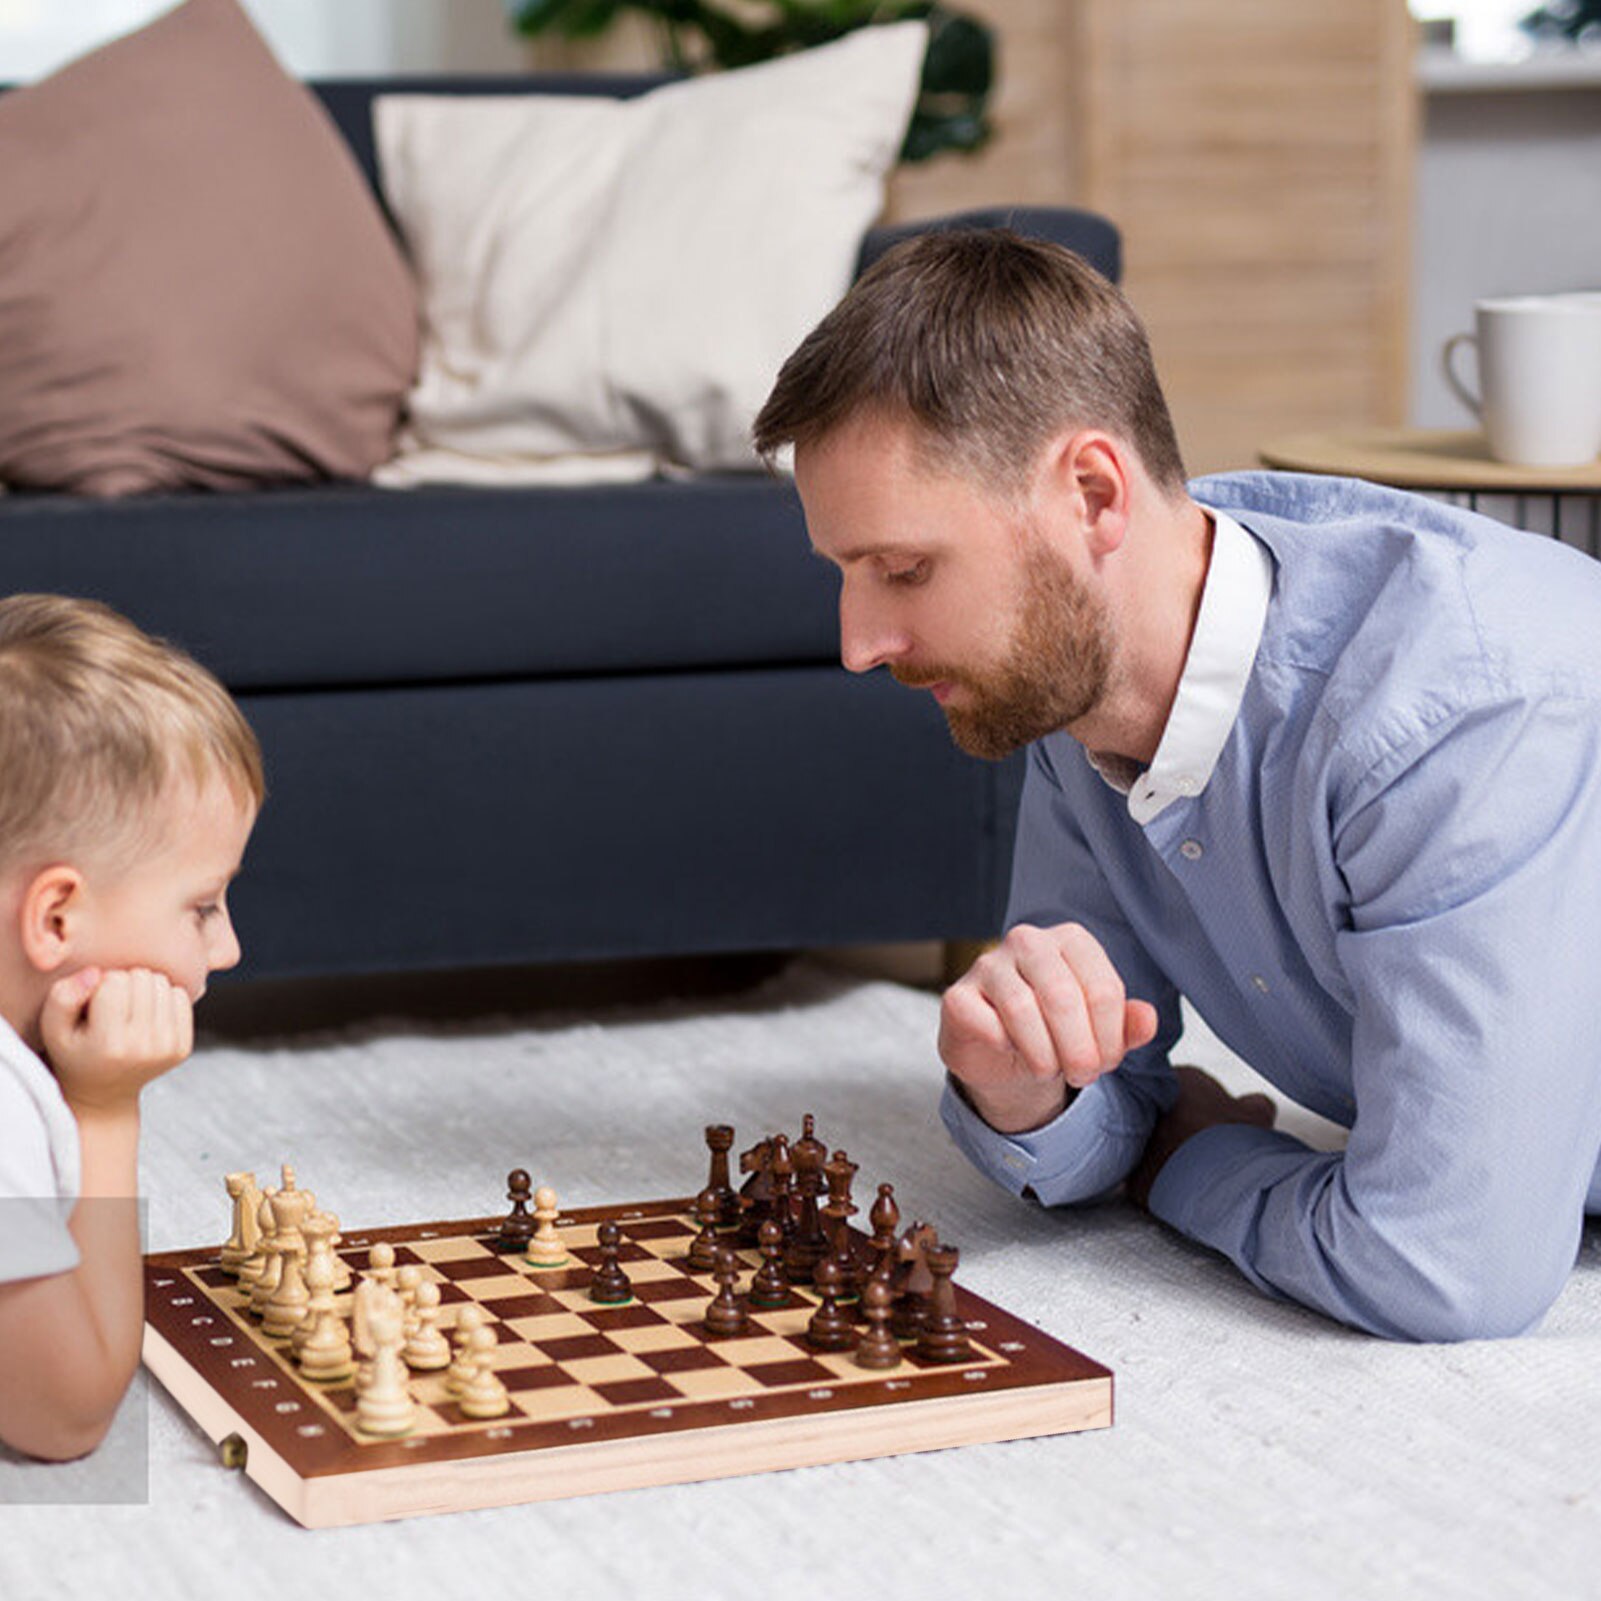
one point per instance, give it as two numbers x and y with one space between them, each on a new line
472 1316
546 1248
427 1350
384 1405
408 1280
483 1395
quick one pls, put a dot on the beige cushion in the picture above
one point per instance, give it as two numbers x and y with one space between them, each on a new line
197 286
619 281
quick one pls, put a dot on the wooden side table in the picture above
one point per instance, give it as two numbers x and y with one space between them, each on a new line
1454 466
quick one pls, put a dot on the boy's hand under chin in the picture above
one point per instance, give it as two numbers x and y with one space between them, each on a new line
108 1034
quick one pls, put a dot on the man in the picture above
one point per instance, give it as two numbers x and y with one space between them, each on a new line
1323 757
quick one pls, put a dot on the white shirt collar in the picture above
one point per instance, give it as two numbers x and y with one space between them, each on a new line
1234 600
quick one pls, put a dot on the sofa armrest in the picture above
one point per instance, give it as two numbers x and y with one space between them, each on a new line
1091 235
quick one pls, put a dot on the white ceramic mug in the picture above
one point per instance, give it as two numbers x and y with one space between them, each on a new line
1539 377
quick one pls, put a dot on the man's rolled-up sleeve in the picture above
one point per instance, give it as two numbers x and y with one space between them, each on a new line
1473 862
1096 1141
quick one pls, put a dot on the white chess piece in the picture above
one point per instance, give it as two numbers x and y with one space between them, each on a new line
545 1249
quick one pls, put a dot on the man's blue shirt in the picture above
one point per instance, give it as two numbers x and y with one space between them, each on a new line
1387 899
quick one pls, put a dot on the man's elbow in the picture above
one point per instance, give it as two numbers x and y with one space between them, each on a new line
1493 1306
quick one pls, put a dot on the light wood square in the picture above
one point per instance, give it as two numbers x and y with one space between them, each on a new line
653 1337
713 1384
561 1401
608 1369
750 1353
551 1326
452 1248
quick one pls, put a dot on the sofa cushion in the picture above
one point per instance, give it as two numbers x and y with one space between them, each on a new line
347 585
196 285
619 281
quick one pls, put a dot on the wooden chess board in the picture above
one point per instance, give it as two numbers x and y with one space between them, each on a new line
603 1397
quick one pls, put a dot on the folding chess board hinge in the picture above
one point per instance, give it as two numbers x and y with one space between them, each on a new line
234 1450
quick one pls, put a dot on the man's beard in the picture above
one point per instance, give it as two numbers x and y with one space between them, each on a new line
1055 669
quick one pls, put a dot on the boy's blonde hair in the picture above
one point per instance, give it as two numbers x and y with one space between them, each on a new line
97 720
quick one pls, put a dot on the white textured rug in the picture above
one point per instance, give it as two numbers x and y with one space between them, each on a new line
1258 1451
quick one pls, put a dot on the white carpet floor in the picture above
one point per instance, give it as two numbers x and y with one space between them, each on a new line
1258 1451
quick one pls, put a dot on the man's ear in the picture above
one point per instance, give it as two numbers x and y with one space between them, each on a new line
52 906
1092 471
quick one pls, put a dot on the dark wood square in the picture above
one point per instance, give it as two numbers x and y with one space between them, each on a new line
800 1371
539 1378
690 1359
475 1267
627 1251
634 1392
664 1228
511 1306
621 1317
653 1290
576 1347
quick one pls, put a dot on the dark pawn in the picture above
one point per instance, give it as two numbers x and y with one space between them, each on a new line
769 1289
518 1228
878 1347
943 1337
703 1248
830 1329
727 1314
609 1284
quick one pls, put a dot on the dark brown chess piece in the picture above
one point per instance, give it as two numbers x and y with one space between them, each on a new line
912 1281
839 1211
782 1171
727 1315
885 1218
720 1141
808 1150
830 1329
756 1193
943 1337
877 1347
807 1244
518 1228
769 1288
703 1248
609 1284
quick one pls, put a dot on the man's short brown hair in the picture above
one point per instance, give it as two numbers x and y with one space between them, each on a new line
991 343
97 722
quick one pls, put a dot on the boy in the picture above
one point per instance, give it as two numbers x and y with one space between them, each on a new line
129 783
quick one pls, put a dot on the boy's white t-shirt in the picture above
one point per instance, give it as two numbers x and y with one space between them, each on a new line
40 1166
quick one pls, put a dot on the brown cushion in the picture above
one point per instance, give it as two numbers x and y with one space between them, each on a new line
196 285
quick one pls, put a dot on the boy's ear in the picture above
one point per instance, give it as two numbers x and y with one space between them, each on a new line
51 907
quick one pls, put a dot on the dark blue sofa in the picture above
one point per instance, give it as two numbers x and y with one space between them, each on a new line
533 725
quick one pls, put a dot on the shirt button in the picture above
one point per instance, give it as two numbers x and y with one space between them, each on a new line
1260 982
1190 850
1015 1162
1186 786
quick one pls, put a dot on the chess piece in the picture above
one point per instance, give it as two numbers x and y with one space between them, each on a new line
943 1336
263 1280
912 1280
546 1249
808 1150
241 1242
885 1218
483 1395
609 1283
756 1194
381 1264
727 1315
782 1170
472 1316
807 1244
427 1350
703 1248
518 1228
408 1280
838 1212
318 1232
720 1141
830 1329
384 1404
877 1347
326 1356
379 1276
769 1289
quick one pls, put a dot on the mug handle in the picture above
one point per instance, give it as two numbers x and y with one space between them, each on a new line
1447 364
